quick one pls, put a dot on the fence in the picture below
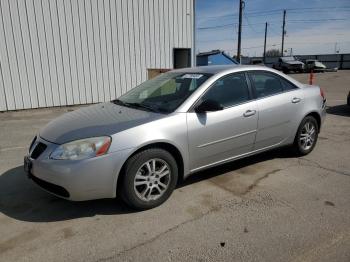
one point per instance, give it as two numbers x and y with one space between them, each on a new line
341 61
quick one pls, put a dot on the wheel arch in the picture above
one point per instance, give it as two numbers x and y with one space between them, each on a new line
317 117
172 149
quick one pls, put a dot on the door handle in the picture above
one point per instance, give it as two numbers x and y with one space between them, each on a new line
296 100
249 113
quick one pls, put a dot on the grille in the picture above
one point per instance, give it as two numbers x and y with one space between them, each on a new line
38 150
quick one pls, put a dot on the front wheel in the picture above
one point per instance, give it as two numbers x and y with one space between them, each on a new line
150 177
306 137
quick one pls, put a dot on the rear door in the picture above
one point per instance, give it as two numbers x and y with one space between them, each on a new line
220 135
278 101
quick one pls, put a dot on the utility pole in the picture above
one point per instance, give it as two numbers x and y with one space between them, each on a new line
241 6
265 41
283 30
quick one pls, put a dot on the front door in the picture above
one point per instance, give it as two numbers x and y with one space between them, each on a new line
221 135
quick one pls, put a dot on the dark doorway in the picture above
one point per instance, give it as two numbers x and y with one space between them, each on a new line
182 57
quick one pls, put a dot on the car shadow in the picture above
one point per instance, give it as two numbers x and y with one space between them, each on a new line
22 200
222 169
339 110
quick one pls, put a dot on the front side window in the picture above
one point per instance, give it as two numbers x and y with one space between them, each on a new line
228 91
163 93
266 84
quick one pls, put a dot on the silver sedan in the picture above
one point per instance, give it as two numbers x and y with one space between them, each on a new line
183 121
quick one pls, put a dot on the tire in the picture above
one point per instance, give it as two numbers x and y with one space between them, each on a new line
144 184
285 70
305 140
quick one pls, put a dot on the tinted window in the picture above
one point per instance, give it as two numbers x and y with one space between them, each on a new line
229 90
287 85
266 84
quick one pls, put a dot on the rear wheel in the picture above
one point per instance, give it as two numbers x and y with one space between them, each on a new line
306 137
149 179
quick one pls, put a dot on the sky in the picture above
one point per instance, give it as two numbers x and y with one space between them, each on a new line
312 26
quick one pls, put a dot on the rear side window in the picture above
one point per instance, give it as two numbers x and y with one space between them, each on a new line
287 85
228 91
266 84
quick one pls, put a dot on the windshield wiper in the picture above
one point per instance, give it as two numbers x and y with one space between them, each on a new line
135 105
118 102
143 106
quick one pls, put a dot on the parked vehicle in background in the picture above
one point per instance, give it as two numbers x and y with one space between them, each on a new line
169 127
256 61
288 64
314 65
317 66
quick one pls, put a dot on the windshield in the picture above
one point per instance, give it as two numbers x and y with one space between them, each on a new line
163 93
288 58
317 63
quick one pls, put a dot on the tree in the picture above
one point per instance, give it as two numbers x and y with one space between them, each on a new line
273 52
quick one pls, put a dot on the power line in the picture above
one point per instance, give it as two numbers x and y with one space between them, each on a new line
225 25
277 21
318 20
257 13
216 26
216 40
299 9
250 25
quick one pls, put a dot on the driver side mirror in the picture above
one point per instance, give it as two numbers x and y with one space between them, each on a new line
208 105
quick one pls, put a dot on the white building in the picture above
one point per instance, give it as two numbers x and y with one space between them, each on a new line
67 52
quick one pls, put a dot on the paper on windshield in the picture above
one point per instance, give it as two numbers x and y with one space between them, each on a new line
192 76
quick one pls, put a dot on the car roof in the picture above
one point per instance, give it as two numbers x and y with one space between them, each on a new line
215 69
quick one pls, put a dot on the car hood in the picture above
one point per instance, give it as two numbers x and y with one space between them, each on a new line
294 62
319 65
96 120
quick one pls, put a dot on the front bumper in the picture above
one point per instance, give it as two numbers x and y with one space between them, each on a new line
77 180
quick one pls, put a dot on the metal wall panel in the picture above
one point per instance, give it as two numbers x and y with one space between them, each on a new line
3 102
5 72
66 52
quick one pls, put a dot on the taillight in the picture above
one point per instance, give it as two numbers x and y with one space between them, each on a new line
322 93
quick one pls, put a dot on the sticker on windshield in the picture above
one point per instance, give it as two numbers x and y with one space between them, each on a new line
192 76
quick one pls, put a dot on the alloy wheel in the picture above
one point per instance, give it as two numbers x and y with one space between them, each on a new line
307 135
152 179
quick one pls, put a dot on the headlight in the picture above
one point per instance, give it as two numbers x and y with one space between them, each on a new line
81 149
